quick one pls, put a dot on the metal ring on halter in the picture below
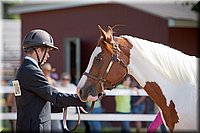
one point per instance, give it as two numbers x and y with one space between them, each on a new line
102 88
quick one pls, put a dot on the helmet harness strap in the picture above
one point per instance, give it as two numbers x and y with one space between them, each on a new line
40 62
44 55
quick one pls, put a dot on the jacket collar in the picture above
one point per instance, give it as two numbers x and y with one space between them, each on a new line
32 60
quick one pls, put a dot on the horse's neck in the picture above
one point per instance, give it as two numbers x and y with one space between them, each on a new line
142 69
155 62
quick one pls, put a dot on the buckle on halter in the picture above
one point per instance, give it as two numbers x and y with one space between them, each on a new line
102 80
114 57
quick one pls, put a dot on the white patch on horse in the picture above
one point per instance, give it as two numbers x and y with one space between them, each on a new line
83 79
94 54
175 73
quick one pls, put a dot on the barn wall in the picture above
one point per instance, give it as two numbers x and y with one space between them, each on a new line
82 22
185 40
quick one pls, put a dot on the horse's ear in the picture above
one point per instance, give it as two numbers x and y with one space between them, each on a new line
103 33
110 34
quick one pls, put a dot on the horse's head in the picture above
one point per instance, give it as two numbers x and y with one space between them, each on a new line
107 66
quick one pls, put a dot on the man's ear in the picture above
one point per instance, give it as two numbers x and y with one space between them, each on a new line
38 49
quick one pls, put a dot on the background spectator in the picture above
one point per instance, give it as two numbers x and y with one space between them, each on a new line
137 103
66 86
123 103
48 70
56 125
95 126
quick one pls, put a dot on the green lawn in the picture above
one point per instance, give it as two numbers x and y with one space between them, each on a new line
111 130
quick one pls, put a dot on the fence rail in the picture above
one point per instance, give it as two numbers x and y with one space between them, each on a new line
113 92
92 117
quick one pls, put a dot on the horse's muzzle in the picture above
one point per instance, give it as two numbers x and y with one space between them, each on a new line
85 98
79 93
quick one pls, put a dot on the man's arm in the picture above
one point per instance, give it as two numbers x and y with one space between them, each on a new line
40 86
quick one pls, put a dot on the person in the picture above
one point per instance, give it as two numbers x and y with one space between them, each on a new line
10 105
137 104
95 126
33 93
10 102
123 103
66 86
151 108
65 83
157 122
48 70
56 125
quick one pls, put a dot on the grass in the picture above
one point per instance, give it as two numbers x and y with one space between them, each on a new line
111 130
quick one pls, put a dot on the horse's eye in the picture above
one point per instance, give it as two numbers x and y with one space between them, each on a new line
99 59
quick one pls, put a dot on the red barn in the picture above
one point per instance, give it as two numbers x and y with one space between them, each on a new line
73 26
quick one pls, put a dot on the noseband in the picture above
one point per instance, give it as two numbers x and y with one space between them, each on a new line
102 80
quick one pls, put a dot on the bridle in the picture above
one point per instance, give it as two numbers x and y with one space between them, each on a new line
103 79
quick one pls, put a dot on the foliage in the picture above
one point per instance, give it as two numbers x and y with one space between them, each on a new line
7 15
196 7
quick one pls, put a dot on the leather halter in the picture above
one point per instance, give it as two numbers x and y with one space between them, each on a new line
102 80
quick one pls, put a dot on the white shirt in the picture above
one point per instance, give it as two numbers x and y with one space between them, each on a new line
33 60
70 88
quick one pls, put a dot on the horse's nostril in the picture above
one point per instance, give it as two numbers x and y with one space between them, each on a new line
80 92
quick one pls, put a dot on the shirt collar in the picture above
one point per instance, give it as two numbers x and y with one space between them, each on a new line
33 60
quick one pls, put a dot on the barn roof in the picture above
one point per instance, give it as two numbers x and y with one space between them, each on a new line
174 10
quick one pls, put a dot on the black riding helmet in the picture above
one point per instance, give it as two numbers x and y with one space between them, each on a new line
38 38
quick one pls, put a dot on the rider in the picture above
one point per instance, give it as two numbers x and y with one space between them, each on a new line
33 93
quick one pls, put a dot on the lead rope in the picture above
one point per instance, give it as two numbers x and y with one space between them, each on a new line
65 121
78 110
79 118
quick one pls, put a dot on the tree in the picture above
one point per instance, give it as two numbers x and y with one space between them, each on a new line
6 15
196 7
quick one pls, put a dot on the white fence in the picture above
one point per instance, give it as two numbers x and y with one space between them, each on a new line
92 117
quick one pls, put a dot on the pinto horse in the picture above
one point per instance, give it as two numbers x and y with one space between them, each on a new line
167 75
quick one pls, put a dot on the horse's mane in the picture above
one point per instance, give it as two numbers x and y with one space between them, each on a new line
172 63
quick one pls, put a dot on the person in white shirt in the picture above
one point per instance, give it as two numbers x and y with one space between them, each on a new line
66 86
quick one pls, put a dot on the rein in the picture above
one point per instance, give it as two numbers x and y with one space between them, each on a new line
79 117
65 119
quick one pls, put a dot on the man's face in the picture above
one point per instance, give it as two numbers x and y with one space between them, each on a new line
41 54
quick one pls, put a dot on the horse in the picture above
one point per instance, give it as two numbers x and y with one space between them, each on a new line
167 75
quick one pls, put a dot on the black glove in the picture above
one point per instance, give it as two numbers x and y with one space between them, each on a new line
67 100
76 101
